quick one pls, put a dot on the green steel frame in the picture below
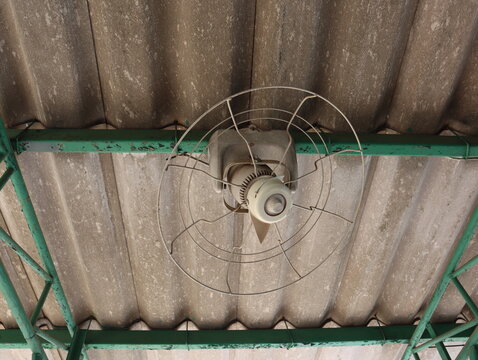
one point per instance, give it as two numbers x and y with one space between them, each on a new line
231 339
77 341
162 141
450 275
27 326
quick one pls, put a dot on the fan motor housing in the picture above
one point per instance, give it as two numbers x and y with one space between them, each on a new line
268 199
265 195
245 175
228 149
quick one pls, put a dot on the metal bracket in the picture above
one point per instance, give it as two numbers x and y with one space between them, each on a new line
227 147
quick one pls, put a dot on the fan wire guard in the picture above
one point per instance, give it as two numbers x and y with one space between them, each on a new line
229 259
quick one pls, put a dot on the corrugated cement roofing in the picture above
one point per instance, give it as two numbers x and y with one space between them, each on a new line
411 66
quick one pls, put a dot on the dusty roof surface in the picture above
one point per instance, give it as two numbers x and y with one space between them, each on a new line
410 66
98 213
99 216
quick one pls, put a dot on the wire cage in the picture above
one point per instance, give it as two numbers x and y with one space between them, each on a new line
213 242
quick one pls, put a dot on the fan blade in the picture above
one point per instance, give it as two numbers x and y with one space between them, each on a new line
260 227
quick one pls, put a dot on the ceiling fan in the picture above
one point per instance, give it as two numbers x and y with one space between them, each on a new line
245 205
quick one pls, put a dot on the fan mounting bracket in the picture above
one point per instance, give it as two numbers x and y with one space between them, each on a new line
228 148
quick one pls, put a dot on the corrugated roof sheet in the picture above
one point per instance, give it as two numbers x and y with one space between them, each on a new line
98 213
410 66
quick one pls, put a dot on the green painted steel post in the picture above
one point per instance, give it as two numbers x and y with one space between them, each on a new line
465 267
5 177
444 281
474 353
472 341
18 312
35 229
442 337
440 346
41 301
55 342
77 344
23 254
464 294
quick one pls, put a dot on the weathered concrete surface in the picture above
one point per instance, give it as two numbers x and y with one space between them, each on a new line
464 107
99 215
48 68
407 65
162 61
410 65
438 47
349 54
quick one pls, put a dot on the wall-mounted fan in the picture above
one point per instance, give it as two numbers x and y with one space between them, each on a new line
250 216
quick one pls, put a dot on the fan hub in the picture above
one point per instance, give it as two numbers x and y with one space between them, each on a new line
275 205
264 194
269 199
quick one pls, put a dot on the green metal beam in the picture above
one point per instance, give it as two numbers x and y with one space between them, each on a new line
468 347
49 273
463 242
26 332
233 339
5 177
23 255
40 303
474 353
162 141
446 335
442 351
465 267
35 229
51 339
464 294
77 345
